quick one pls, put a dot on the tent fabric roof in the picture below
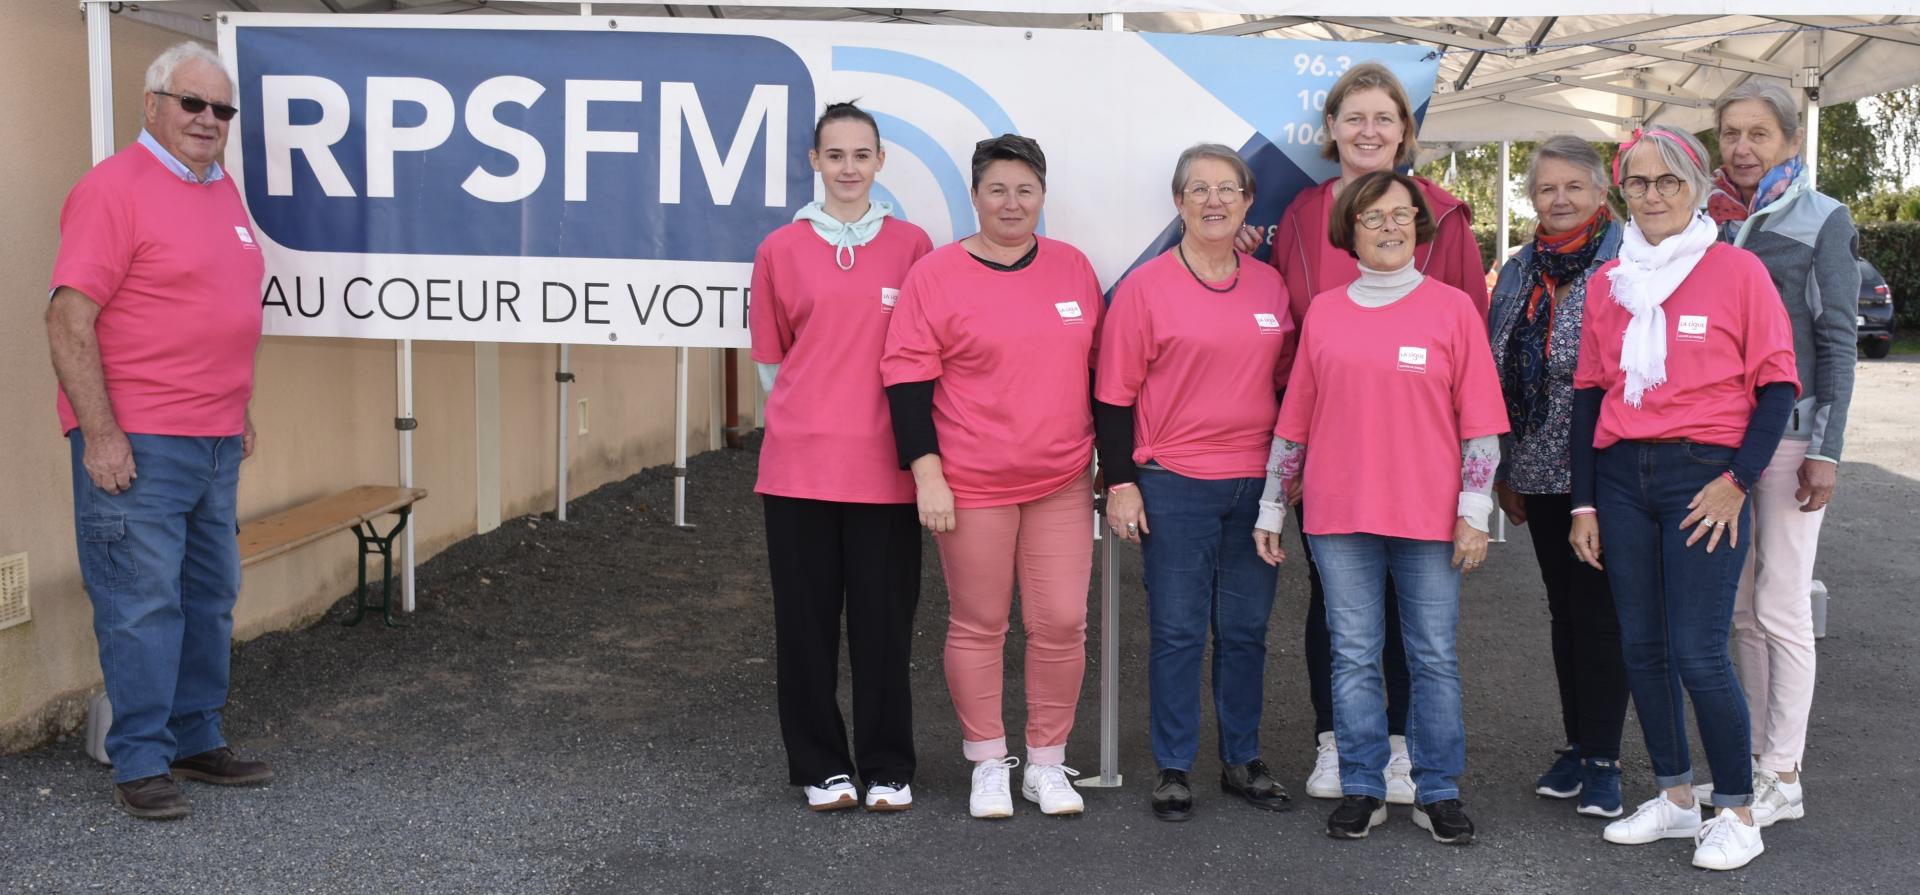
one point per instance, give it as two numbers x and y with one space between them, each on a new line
1502 77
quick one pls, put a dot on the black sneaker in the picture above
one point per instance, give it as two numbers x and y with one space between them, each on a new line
1253 782
1446 820
1356 817
1172 798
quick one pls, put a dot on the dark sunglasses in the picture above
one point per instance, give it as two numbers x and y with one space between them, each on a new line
193 105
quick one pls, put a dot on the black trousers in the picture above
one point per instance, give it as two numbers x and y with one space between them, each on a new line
1586 632
1319 650
862 560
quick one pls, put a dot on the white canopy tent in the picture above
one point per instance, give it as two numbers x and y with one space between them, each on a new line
1506 73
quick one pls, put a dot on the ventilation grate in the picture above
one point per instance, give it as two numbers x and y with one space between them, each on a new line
13 591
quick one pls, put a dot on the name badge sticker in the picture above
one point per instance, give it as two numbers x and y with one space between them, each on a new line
1269 324
1069 312
1413 360
1692 328
888 298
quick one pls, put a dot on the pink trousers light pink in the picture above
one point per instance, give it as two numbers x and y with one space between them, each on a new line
1773 614
1047 544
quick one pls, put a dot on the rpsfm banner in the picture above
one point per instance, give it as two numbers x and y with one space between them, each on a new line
606 180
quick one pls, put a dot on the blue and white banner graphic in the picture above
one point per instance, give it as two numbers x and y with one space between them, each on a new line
606 180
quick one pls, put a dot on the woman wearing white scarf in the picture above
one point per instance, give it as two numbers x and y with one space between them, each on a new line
1685 379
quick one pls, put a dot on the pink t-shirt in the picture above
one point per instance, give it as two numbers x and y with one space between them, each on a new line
1199 367
1010 351
1382 398
175 270
1727 335
829 435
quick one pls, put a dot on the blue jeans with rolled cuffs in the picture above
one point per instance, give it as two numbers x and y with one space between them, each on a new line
1355 570
161 563
1204 577
1676 608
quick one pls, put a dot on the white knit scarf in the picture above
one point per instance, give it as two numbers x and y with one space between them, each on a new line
1643 279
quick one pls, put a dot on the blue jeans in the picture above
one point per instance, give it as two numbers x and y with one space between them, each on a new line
162 566
1202 575
1355 568
1676 609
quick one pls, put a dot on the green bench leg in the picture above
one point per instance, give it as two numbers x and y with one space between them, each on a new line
371 542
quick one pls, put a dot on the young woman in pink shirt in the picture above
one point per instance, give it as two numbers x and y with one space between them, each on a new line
1685 382
1192 354
1390 431
986 368
1370 128
842 537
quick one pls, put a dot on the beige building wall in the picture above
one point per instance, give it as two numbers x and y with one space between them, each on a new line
324 408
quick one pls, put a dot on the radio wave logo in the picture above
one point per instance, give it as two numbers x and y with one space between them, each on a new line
948 164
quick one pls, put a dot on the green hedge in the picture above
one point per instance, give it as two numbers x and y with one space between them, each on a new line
1892 246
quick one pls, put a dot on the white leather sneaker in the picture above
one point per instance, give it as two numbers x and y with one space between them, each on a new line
1047 785
1774 799
1726 842
991 796
1324 782
1655 819
889 797
832 794
1399 772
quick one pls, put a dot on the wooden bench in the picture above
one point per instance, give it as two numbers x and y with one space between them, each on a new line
354 509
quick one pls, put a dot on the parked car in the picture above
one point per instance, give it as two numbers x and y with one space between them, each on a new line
1876 312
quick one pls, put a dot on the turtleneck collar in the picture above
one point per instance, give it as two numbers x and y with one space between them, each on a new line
1379 288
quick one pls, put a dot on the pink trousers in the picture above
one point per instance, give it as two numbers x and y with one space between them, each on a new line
1048 545
1773 614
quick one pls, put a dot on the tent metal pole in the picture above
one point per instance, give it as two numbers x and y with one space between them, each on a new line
564 377
405 423
1816 48
1109 614
1505 243
680 438
100 77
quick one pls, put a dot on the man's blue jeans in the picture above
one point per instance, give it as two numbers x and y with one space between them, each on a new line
1676 609
1354 568
162 566
1202 576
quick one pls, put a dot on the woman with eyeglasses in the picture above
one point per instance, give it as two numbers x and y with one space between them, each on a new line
987 368
1390 426
1538 305
1685 381
1192 353
842 540
1764 202
1370 128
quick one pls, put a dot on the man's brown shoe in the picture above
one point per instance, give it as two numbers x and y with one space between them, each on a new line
151 798
220 766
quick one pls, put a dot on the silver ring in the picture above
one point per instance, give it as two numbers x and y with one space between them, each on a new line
1708 520
1719 525
1132 527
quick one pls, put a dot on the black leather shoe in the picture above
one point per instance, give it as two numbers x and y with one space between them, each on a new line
1446 820
1172 798
1253 782
151 798
220 766
1356 817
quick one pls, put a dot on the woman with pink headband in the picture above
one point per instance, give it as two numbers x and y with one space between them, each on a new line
1685 380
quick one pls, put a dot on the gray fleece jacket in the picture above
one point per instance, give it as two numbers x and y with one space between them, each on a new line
1808 243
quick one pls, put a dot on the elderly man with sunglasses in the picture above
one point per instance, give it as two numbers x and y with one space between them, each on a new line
153 322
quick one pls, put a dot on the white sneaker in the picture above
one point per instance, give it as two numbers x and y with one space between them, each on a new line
1726 842
1047 785
889 797
1324 782
1774 799
1399 773
991 797
1703 793
832 794
1655 819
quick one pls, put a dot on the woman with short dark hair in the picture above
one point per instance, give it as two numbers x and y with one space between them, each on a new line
1389 434
987 373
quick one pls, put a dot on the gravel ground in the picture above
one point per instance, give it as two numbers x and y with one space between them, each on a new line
588 707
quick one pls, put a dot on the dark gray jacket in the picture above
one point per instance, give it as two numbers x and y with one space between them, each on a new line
1808 243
